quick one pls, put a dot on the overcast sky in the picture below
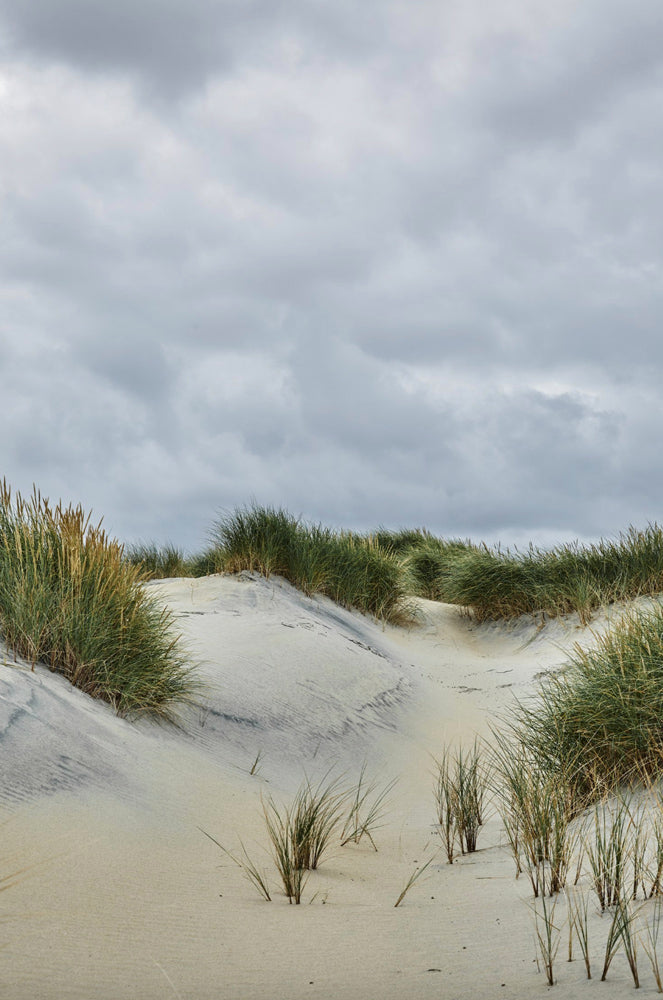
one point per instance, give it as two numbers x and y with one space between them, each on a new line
393 262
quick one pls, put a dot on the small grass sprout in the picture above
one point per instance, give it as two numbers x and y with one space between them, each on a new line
650 942
255 767
414 877
578 912
547 934
622 932
367 809
249 869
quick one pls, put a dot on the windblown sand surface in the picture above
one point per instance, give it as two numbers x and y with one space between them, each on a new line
126 898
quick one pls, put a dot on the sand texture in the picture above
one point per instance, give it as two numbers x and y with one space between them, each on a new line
124 897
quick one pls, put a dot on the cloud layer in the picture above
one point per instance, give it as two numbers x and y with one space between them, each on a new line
394 265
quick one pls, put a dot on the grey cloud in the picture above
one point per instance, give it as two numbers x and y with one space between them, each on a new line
394 265
144 38
548 90
176 47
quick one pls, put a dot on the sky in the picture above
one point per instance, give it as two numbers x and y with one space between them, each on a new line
393 263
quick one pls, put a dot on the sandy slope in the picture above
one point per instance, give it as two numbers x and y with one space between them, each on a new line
125 897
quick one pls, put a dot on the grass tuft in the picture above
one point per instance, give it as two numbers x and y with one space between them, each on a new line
496 583
547 935
159 563
249 869
601 716
537 808
367 809
650 944
355 571
461 781
70 599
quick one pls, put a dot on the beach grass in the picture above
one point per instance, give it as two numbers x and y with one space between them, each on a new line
255 875
598 720
367 808
376 572
578 916
600 717
160 562
536 809
650 943
414 877
495 583
70 599
460 787
547 935
352 570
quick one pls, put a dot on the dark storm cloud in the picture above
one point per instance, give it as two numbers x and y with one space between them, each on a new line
380 264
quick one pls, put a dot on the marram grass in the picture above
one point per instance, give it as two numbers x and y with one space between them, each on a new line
496 584
377 572
70 599
352 570
159 562
600 721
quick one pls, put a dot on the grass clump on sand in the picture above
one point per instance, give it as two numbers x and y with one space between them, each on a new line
536 808
70 599
461 782
167 561
304 830
159 562
376 572
501 584
354 571
601 719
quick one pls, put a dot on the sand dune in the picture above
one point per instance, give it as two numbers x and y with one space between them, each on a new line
125 898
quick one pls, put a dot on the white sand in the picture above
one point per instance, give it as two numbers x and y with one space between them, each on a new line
125 898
